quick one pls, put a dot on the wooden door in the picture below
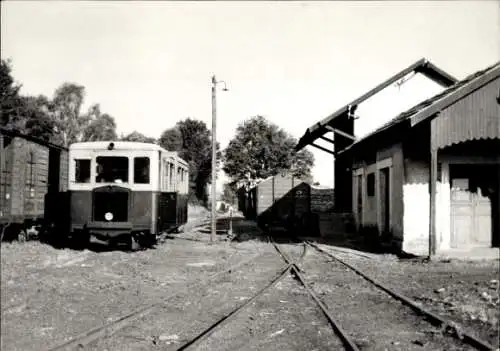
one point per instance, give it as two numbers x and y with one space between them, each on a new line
474 195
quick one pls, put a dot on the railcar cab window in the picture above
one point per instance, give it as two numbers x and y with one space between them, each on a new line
82 171
141 170
111 169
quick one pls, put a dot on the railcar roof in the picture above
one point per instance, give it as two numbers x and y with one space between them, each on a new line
118 145
124 145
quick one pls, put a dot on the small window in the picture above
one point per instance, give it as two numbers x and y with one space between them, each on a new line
112 169
370 184
141 170
82 171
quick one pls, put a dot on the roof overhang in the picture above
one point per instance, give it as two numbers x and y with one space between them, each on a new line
422 66
432 107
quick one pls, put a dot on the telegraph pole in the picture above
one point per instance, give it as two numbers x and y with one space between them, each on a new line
214 155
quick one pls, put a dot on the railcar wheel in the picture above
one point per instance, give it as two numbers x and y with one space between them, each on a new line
134 244
22 236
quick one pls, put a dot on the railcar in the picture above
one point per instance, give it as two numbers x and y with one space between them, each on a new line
32 172
125 192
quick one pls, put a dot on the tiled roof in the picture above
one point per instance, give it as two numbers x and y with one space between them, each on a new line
406 115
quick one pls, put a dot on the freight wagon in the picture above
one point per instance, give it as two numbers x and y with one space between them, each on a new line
31 172
285 202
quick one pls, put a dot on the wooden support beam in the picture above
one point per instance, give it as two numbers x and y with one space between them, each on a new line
327 139
323 148
338 131
433 189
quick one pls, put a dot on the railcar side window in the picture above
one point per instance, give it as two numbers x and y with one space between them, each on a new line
82 171
141 170
112 169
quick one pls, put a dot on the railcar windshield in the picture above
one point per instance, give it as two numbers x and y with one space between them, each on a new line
111 169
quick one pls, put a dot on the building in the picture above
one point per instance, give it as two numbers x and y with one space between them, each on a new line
428 180
364 114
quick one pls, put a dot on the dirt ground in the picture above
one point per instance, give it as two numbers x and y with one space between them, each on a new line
50 295
466 292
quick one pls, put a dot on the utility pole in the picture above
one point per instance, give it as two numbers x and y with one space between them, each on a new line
214 159
214 154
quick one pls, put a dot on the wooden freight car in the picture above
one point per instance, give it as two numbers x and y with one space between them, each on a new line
280 201
31 170
287 202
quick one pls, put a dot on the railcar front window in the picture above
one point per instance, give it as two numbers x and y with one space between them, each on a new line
82 171
141 170
111 169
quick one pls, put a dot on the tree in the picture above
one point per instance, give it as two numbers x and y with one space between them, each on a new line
38 119
69 121
192 140
261 149
138 137
102 127
9 95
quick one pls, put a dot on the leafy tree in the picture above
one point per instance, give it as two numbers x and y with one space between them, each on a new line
261 149
192 140
9 95
38 118
138 137
69 121
102 127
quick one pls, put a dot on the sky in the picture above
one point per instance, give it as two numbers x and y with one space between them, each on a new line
149 64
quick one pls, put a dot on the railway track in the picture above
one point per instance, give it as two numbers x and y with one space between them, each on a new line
106 330
333 303
293 267
402 333
446 327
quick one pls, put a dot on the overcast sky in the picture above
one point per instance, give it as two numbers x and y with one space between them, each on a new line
149 63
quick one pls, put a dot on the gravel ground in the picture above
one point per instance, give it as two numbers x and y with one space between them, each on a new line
186 316
50 295
373 319
464 292
285 317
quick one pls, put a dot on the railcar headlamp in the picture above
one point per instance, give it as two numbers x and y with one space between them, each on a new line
111 146
108 216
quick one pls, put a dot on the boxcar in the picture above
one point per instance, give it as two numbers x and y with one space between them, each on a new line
31 172
286 202
125 191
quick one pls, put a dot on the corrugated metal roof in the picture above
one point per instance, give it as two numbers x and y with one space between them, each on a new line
423 109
